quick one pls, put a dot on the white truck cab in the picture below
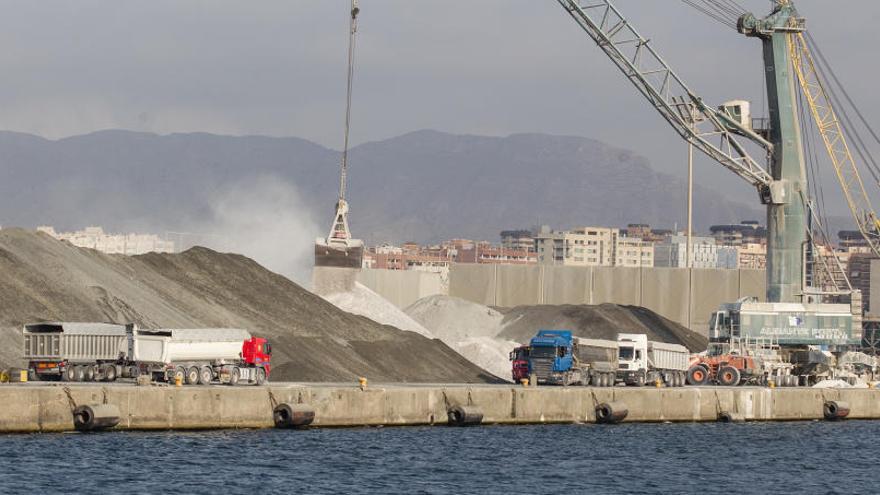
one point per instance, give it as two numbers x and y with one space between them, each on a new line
633 351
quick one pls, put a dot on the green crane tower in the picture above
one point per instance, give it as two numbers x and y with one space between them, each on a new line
786 210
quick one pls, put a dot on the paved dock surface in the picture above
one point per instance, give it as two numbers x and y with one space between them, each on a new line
39 407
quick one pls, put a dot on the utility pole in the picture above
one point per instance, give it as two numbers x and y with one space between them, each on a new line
690 200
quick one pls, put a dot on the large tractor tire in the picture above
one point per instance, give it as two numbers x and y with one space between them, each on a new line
729 376
698 375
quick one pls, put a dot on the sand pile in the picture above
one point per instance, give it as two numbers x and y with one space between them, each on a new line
360 300
467 327
44 279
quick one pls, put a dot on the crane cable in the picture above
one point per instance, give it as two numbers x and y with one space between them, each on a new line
351 47
826 72
727 12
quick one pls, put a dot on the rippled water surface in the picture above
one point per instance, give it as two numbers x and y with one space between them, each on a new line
811 457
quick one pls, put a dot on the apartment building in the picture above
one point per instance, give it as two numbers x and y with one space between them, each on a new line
592 246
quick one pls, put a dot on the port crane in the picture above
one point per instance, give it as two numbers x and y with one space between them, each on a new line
339 249
770 158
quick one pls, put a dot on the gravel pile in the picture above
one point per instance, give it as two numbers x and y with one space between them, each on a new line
313 340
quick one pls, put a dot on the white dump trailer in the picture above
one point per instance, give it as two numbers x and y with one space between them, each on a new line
199 355
643 361
104 352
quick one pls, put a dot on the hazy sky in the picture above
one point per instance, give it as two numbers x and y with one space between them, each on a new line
466 66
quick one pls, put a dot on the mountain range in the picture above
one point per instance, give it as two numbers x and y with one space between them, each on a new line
423 186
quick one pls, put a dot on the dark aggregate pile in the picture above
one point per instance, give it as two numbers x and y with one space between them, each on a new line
42 279
604 321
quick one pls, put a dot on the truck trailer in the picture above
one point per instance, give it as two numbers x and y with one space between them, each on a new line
557 358
643 361
80 352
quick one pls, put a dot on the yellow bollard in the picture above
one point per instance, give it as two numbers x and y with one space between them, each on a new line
524 382
363 383
771 384
658 383
4 376
178 380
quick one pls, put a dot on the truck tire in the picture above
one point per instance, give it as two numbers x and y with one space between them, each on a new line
109 373
234 376
206 375
79 373
261 376
640 380
728 376
681 378
697 375
69 374
585 378
611 379
192 375
90 373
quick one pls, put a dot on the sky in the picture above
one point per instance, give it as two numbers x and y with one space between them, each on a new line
491 67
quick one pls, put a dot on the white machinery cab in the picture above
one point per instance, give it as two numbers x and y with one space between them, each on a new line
633 351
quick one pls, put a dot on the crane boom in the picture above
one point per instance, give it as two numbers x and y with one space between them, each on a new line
696 122
835 141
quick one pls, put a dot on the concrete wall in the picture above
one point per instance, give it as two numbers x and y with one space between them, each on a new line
29 408
402 287
685 296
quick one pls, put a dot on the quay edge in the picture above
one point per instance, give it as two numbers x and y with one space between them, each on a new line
29 409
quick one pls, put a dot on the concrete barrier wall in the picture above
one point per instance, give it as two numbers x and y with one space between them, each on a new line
402 287
49 408
685 296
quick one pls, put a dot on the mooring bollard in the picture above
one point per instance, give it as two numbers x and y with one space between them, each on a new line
835 410
611 412
464 416
293 415
95 417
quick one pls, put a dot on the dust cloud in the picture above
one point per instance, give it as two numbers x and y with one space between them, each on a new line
264 219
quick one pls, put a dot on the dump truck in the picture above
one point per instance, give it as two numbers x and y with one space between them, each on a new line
557 358
519 359
84 352
642 361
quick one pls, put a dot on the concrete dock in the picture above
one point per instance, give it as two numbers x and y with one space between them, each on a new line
49 407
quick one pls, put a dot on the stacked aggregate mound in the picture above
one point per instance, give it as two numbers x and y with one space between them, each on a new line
360 300
604 321
467 327
44 279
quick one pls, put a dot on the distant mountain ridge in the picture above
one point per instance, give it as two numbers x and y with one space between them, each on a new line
423 186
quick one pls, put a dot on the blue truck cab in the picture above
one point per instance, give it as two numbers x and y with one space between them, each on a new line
550 356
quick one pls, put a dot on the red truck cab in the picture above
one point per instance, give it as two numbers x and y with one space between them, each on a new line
257 352
520 359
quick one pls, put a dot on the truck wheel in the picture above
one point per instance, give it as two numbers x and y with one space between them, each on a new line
234 376
79 373
611 379
90 373
206 376
728 376
640 380
69 374
681 378
585 378
697 375
109 373
192 375
261 376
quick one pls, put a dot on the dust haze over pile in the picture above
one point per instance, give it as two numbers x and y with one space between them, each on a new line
263 218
